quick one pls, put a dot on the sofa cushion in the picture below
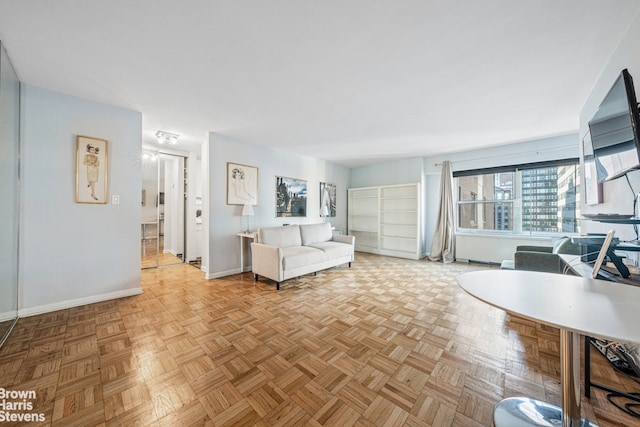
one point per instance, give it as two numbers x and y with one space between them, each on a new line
283 237
334 249
314 233
301 256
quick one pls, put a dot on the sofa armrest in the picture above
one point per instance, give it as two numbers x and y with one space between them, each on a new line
528 248
266 260
538 261
344 238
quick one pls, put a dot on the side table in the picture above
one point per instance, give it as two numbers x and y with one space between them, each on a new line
245 236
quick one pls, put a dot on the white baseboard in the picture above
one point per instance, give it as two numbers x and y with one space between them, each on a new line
219 274
8 315
62 305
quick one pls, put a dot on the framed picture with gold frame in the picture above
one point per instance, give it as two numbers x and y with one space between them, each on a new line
91 170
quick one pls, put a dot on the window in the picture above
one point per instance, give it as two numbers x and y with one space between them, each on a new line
536 198
473 213
485 202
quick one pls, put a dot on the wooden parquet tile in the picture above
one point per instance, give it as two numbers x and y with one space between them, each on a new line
388 342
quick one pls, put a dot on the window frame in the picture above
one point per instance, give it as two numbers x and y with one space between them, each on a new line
516 198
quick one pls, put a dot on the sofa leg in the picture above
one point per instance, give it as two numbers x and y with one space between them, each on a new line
255 277
315 273
277 286
349 264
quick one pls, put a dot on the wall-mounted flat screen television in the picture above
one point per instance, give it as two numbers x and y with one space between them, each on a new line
614 131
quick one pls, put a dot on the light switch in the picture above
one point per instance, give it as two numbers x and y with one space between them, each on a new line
115 199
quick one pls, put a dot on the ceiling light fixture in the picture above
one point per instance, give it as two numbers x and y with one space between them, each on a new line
167 137
150 156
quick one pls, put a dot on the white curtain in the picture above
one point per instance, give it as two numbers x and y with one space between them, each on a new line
443 246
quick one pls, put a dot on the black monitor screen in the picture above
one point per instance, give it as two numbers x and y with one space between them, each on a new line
614 131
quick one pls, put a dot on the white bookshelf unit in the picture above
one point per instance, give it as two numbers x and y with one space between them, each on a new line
363 218
386 220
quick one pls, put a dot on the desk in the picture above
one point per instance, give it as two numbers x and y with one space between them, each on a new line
584 269
573 304
244 236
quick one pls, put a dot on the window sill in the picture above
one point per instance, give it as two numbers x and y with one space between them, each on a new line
503 234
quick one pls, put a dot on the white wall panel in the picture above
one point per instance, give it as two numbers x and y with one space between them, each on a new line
73 253
493 249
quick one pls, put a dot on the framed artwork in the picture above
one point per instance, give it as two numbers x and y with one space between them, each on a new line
327 199
242 184
91 170
291 197
592 188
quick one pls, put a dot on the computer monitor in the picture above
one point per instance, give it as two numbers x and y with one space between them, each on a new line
602 254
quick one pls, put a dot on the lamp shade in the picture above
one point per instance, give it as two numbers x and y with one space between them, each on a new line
247 210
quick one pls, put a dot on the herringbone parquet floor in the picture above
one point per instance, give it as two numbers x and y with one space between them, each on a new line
389 342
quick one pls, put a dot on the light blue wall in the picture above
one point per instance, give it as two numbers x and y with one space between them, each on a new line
225 221
539 150
403 171
9 189
73 253
618 196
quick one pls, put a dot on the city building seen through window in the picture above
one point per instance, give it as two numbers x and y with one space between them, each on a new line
542 198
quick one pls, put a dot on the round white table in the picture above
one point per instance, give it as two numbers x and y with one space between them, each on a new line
573 304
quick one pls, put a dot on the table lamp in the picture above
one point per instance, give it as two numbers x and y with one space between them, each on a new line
247 210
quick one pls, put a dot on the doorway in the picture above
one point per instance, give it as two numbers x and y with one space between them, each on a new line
164 197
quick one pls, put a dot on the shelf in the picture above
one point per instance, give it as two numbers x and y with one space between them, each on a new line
363 193
634 220
399 191
398 197
390 236
399 218
406 231
393 212
630 247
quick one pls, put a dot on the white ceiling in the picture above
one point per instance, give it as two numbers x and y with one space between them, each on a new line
349 81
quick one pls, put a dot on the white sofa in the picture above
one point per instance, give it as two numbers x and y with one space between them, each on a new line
280 253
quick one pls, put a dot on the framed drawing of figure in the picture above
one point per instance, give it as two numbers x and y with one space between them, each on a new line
91 170
242 184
